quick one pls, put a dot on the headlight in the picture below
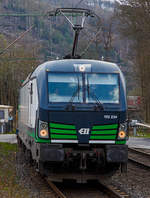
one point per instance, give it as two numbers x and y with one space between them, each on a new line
43 130
122 134
43 133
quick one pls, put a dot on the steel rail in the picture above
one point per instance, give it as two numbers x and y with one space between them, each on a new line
112 191
136 161
138 152
140 164
55 189
109 190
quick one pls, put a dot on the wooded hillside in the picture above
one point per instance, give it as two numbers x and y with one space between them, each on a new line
135 15
52 38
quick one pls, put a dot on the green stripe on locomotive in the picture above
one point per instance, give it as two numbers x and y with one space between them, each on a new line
69 132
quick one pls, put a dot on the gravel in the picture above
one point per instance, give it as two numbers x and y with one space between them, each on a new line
136 182
32 181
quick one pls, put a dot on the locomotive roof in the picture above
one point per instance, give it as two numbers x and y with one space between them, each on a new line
67 65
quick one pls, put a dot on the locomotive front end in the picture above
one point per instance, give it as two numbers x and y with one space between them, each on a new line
82 118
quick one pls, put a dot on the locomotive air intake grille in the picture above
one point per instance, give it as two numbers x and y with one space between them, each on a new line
63 133
104 132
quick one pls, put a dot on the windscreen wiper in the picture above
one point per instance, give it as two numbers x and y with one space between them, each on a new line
93 95
77 91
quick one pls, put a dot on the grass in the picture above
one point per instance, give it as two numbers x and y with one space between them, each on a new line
11 132
141 133
6 148
9 184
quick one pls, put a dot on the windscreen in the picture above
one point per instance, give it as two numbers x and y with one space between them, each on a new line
83 88
64 86
103 87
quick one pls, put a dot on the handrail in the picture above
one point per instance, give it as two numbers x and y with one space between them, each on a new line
135 124
144 125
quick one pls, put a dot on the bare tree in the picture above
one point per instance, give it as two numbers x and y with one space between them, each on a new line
135 17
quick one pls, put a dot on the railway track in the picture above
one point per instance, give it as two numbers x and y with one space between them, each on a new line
101 191
55 189
140 158
112 191
44 188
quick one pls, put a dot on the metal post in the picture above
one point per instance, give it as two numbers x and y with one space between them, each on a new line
134 131
2 128
77 30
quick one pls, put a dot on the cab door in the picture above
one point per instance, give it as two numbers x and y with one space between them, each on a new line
33 103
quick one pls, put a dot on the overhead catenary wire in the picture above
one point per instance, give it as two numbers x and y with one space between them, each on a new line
93 39
30 28
86 49
24 33
17 39
79 3
23 15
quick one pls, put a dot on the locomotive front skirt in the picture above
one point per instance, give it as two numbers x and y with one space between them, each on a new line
72 115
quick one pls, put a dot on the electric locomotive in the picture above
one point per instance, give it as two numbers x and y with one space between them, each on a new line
72 119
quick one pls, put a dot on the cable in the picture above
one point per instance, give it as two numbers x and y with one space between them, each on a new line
17 39
78 3
22 15
86 49
94 36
